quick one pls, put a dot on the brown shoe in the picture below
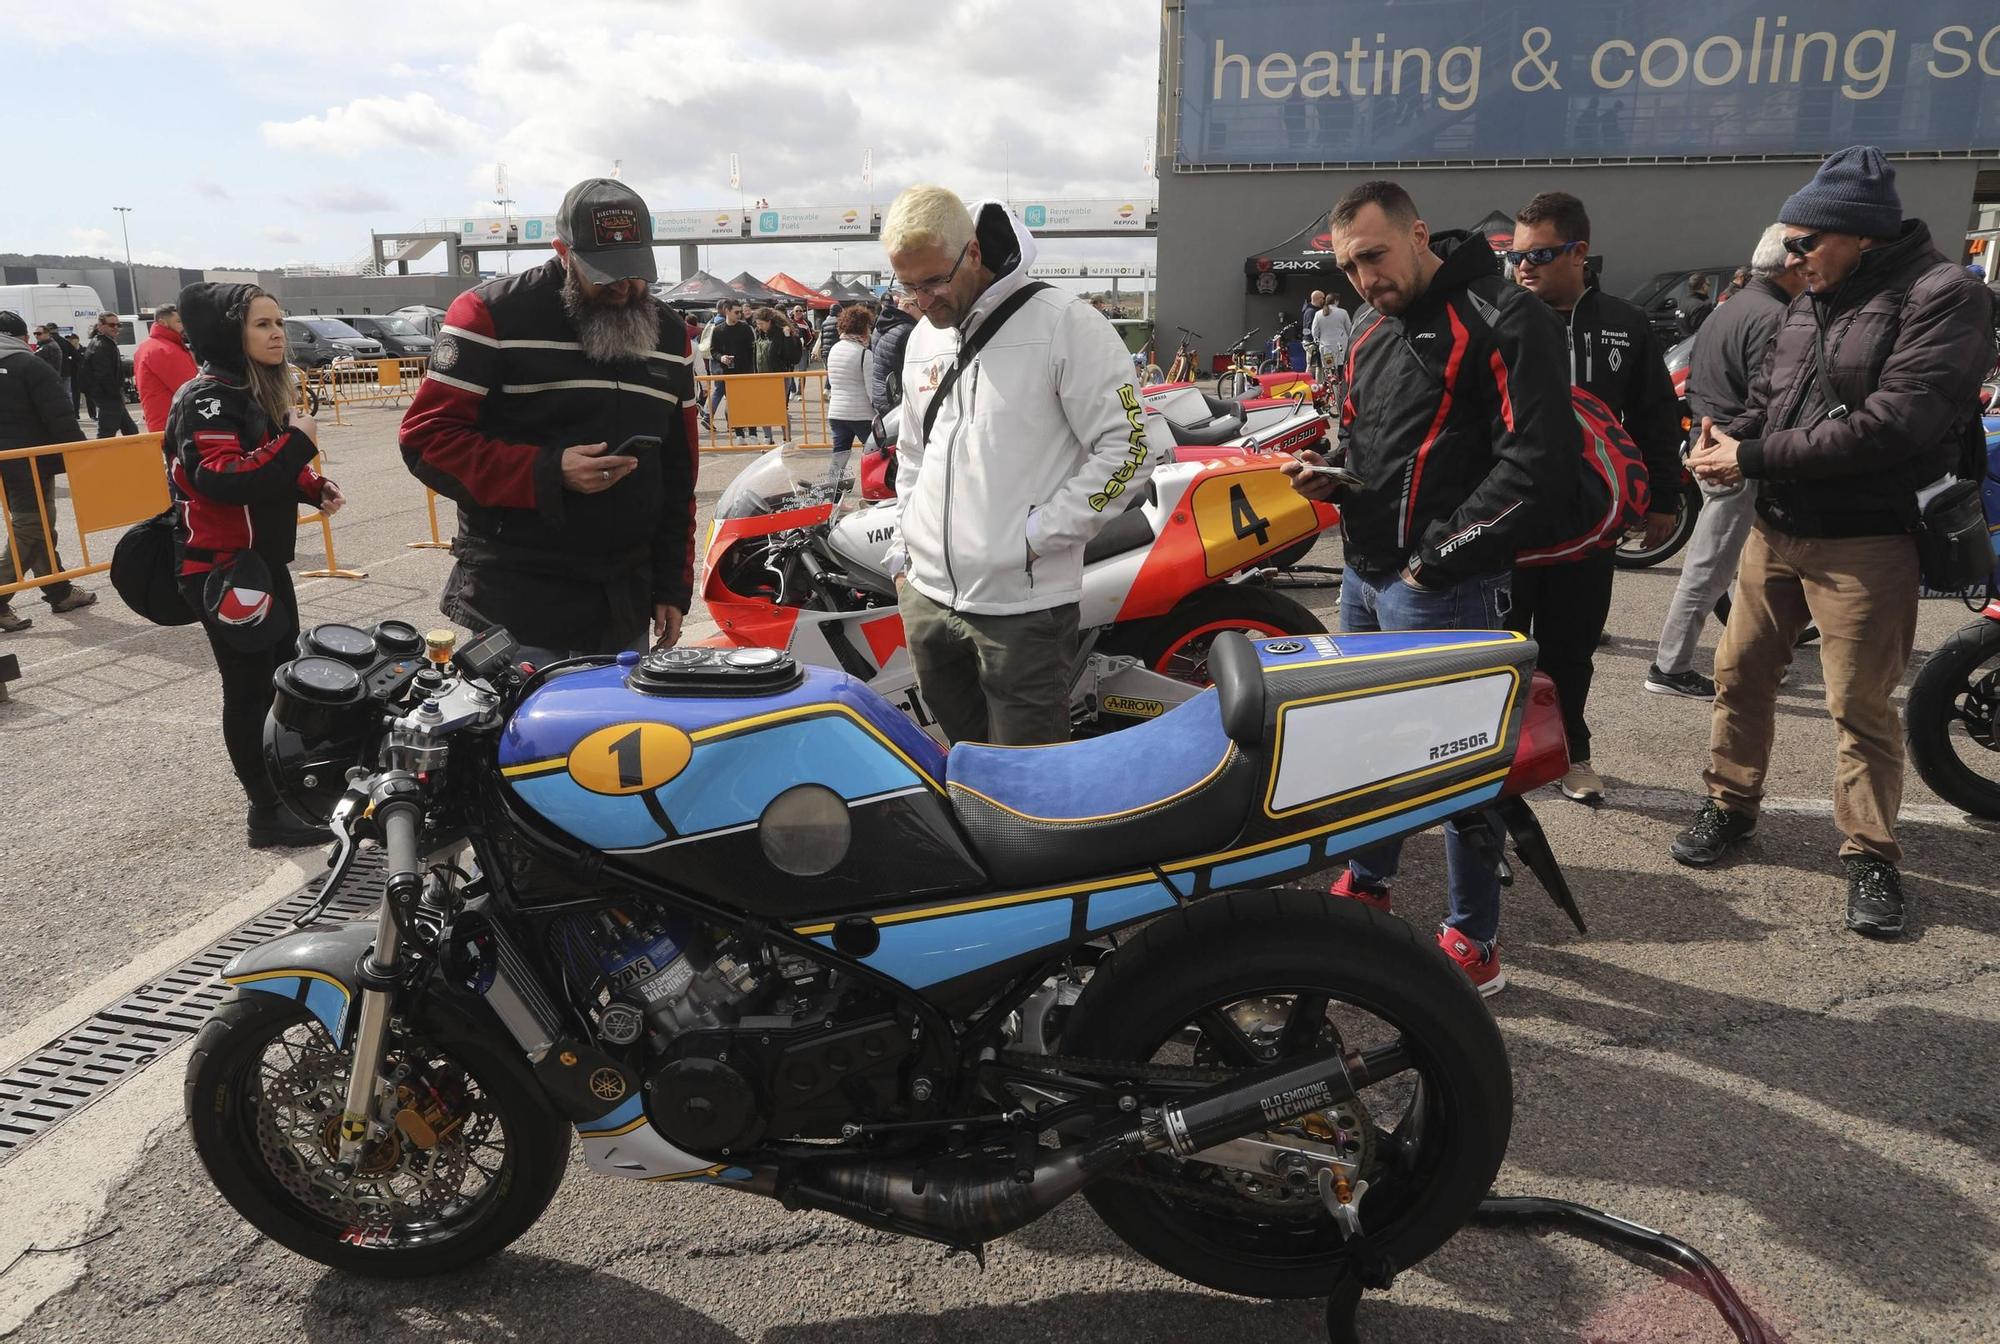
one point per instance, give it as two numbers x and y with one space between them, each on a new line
12 624
77 598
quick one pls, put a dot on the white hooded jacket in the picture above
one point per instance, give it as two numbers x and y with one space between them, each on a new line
1035 448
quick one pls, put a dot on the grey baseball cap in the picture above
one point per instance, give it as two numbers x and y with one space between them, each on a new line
609 231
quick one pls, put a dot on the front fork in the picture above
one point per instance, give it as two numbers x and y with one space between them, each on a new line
397 809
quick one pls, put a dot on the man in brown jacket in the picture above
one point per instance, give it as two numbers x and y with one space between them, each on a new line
1872 381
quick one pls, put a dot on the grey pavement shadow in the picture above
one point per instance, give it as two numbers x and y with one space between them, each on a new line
1161 1314
510 1299
1668 907
1908 1067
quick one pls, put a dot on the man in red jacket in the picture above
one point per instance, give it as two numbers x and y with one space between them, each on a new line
162 364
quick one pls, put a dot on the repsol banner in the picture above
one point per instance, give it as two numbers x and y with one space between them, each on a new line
1344 82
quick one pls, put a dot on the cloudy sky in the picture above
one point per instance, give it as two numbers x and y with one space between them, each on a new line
259 134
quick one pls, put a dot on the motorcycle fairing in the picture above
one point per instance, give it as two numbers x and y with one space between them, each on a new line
958 952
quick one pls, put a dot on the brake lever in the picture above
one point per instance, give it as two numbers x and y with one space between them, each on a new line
340 863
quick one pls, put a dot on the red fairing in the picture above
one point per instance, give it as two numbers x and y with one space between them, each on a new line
1542 757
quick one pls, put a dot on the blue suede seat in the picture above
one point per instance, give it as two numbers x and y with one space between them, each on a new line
1176 786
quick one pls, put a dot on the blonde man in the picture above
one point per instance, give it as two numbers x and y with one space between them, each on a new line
1021 436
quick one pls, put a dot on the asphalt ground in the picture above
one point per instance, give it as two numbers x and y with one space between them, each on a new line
1716 1058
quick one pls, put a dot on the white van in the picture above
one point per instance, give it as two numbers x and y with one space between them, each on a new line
70 307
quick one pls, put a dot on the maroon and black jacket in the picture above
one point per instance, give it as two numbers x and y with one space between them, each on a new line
1905 340
1458 419
509 388
237 479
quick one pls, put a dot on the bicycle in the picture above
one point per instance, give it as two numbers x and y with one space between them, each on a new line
1241 374
1182 370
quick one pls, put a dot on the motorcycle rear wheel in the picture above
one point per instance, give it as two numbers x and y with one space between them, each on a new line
263 1097
1435 1135
1954 702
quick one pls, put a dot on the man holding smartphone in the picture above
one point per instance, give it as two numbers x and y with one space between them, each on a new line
1457 423
574 545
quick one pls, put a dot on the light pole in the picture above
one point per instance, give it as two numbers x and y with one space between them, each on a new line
131 276
836 264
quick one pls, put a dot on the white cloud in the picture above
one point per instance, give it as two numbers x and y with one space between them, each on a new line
375 125
289 237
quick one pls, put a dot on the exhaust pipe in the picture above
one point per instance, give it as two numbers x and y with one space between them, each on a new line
966 1201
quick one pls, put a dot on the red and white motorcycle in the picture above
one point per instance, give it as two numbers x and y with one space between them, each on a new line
796 561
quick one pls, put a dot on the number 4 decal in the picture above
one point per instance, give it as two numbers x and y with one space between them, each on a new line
1243 514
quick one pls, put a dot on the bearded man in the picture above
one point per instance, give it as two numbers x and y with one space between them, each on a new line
558 412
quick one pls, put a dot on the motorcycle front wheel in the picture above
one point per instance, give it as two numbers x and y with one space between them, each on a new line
1176 644
1632 553
1953 720
1239 981
472 1163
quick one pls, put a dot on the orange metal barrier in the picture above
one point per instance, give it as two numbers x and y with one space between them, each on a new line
113 483
757 401
436 543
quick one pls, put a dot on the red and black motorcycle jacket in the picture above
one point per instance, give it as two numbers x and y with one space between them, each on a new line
508 389
1459 422
237 479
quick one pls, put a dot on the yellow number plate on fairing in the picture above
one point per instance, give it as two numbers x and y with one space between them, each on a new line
1245 514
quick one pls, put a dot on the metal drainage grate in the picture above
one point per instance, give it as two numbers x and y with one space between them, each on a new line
75 1069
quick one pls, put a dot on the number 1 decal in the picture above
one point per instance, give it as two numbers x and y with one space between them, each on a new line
628 758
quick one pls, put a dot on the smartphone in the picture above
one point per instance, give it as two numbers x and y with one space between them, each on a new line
639 445
1341 474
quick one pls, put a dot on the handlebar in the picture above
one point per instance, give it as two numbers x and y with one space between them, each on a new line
1185 332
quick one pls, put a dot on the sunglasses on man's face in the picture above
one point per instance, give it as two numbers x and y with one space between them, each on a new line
1803 244
1541 256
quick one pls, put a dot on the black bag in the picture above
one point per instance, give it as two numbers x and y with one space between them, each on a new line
145 571
238 603
1954 543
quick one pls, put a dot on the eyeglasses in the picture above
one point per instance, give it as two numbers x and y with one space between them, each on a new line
1803 244
1542 256
935 288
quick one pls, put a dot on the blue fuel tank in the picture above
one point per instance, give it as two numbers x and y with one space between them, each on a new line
738 775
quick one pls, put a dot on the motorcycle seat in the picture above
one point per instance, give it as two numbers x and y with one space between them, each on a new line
1182 784
1220 429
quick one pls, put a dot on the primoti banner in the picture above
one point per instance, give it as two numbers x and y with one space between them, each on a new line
687 226
791 221
515 229
1352 82
1082 216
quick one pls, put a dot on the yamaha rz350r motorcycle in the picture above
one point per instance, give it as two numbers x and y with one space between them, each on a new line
1953 715
734 921
797 560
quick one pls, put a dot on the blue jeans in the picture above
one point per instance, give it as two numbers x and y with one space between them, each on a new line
1372 601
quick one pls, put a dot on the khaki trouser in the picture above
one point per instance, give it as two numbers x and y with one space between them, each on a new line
998 679
1862 593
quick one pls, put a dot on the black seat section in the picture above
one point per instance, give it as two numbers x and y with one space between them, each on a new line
1177 786
1239 685
1127 532
1205 436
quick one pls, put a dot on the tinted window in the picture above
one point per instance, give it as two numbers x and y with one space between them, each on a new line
331 328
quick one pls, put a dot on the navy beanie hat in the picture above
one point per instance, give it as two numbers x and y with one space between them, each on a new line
1854 191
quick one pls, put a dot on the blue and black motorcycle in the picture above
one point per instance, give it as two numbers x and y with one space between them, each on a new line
735 921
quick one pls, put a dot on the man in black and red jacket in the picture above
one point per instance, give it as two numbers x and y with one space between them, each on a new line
1457 420
536 382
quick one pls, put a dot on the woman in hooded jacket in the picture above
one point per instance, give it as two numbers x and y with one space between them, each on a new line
239 465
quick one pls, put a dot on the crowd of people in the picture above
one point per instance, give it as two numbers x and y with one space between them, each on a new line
1830 382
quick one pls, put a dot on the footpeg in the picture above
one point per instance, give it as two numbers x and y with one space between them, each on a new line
1343 1202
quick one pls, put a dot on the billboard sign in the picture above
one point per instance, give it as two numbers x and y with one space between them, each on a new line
786 222
694 226
1082 216
1355 82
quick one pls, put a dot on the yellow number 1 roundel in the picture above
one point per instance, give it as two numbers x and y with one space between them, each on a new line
630 757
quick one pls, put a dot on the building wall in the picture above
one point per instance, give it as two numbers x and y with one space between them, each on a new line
303 295
1647 218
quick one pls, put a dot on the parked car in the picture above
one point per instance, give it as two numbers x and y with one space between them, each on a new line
398 336
315 341
1666 297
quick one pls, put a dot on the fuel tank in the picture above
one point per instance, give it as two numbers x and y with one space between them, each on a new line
861 540
742 776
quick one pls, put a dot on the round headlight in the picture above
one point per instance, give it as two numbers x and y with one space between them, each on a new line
805 831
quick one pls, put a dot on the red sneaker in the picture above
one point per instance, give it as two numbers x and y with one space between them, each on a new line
1350 888
1481 965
